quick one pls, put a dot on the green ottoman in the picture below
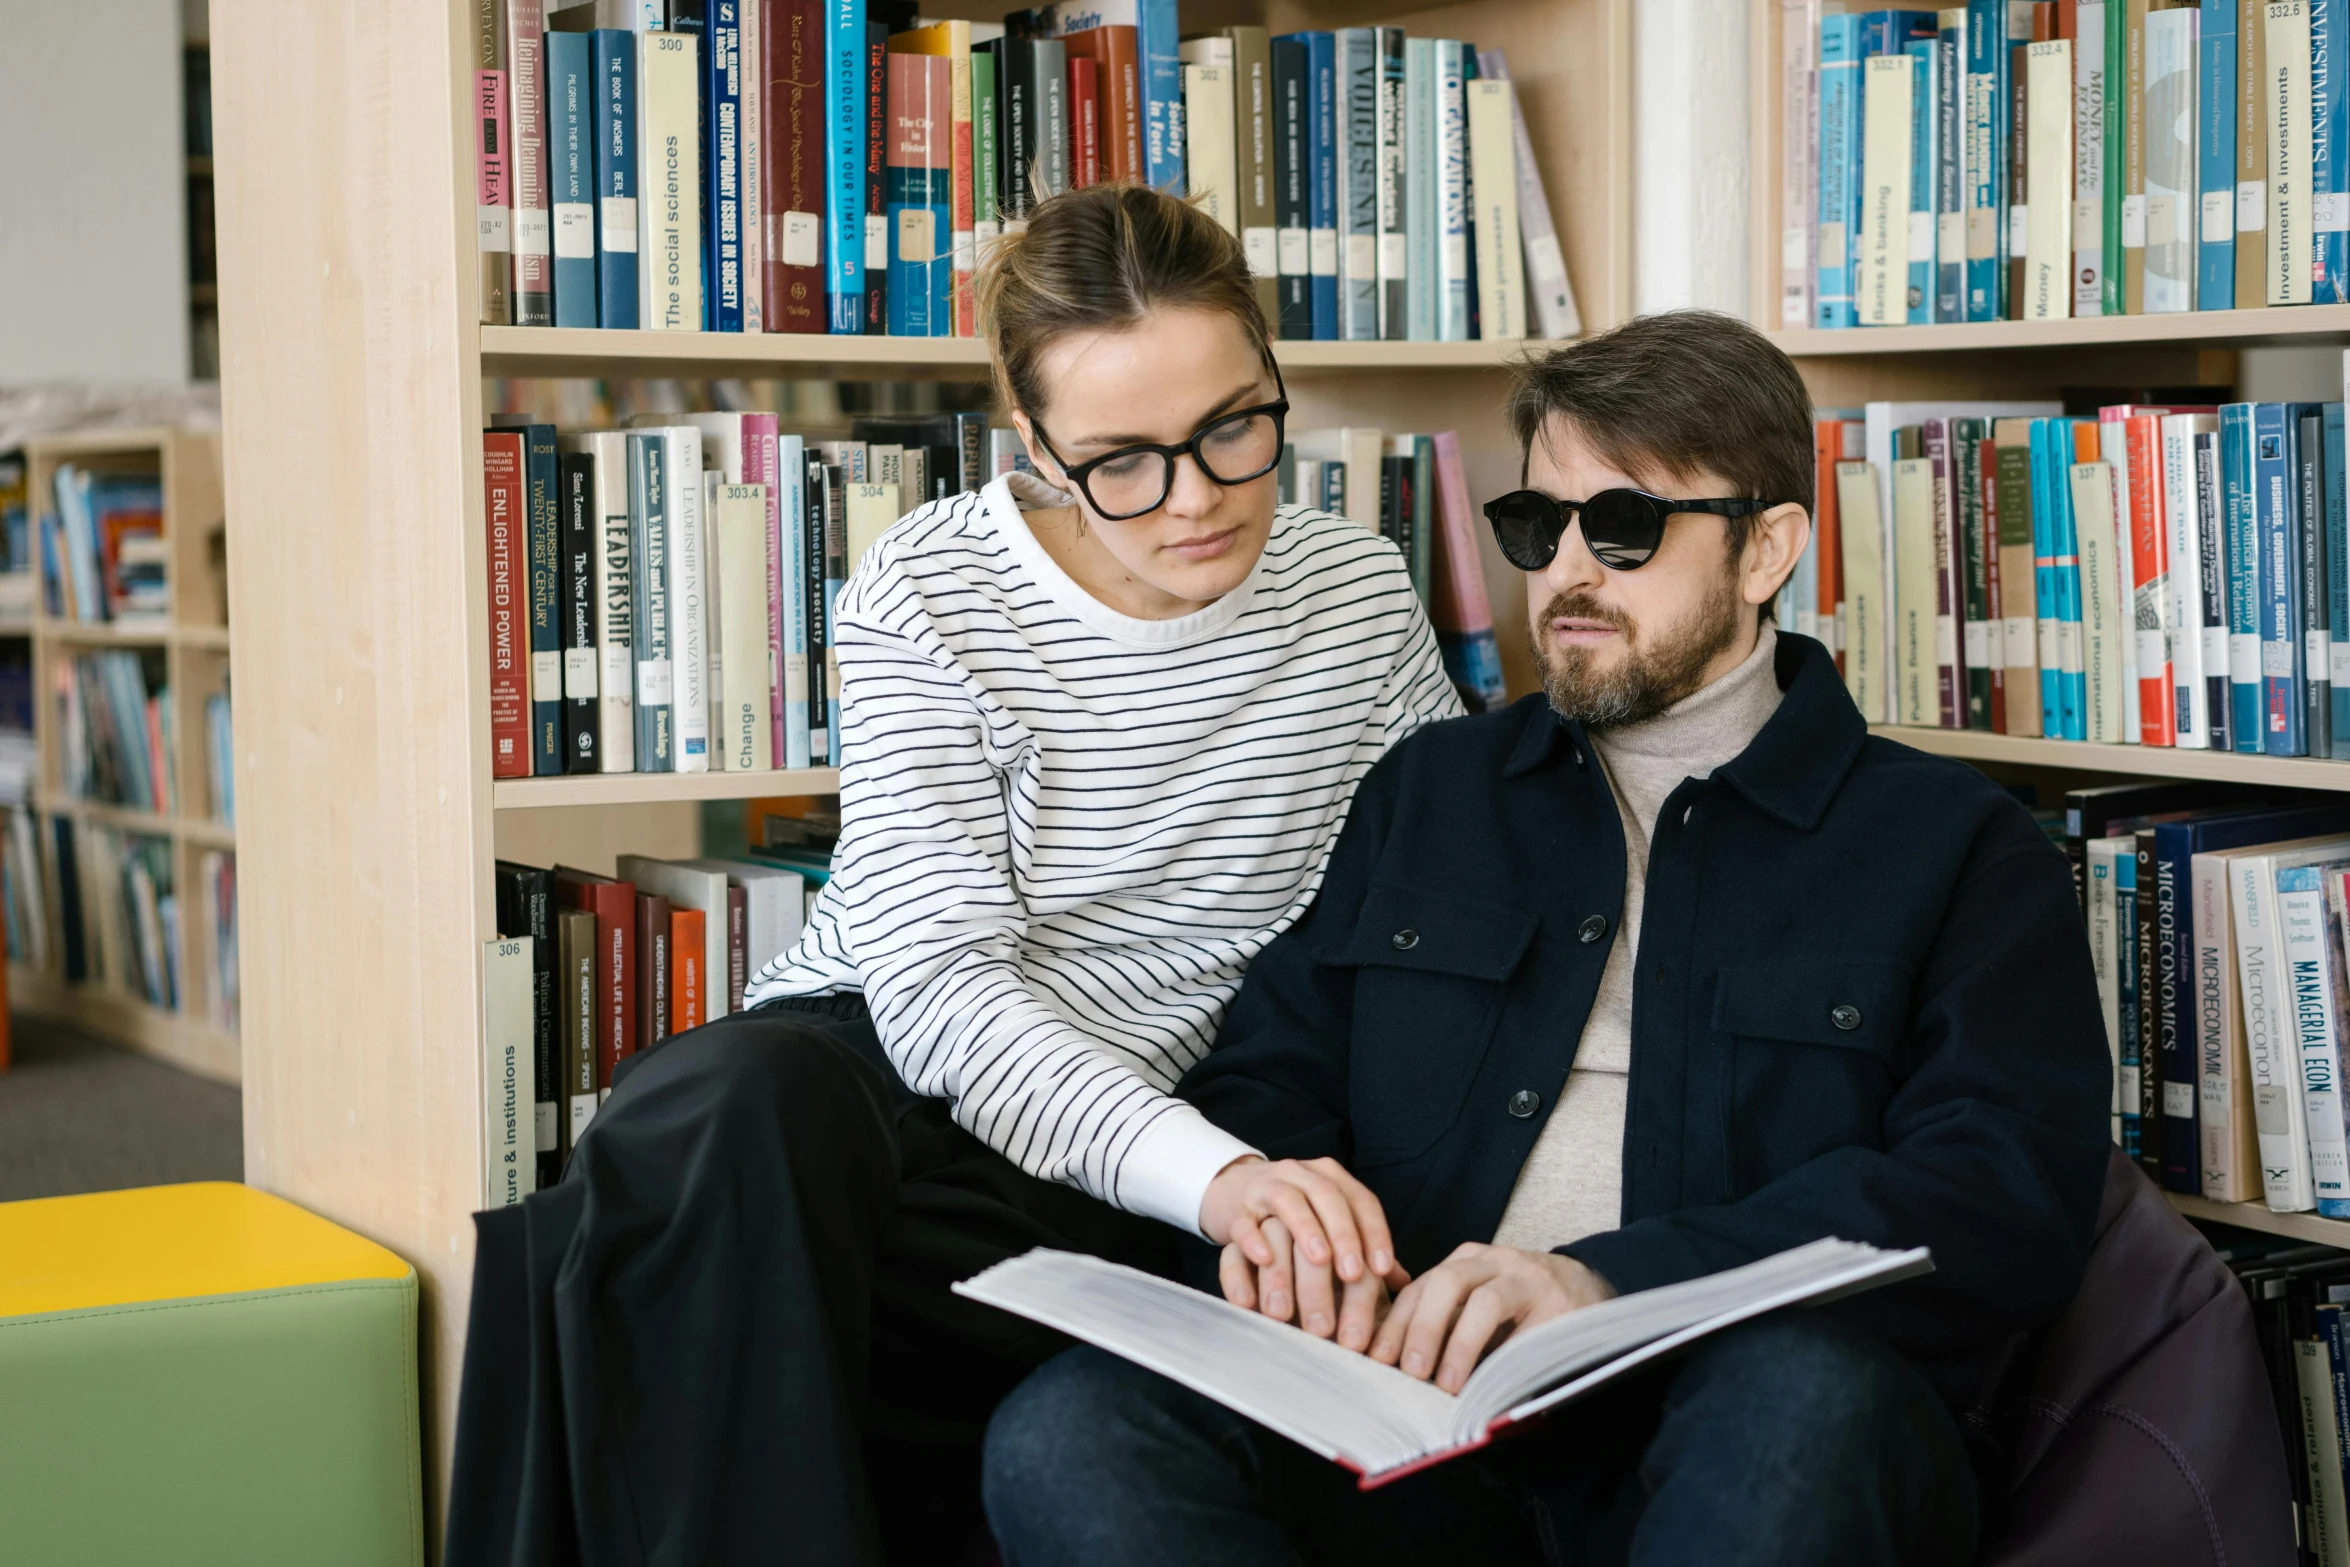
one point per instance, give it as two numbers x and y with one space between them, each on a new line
204 1374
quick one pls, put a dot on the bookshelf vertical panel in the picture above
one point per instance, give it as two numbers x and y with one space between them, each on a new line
351 388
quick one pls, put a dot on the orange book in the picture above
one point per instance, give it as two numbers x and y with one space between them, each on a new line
952 40
687 1003
2149 546
1113 50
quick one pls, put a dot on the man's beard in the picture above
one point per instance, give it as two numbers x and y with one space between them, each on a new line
1647 679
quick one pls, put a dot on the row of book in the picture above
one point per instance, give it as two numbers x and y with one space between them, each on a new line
117 910
2300 1298
103 556
589 969
2031 161
805 166
115 728
2160 574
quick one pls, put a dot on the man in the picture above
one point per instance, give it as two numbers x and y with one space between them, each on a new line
1667 970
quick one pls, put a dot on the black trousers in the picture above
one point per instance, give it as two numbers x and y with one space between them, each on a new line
728 1334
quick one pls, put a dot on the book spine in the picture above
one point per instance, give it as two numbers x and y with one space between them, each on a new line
2277 1100
576 984
2181 609
2241 485
1357 102
2088 213
576 500
508 1165
1016 89
1085 129
816 503
2048 229
2308 994
962 212
505 506
2314 655
1292 180
920 197
2170 162
656 939
1208 162
2211 619
1253 158
2141 1118
1941 653
1986 108
1322 185
987 141
1924 174
791 595
2329 159
2215 122
2285 100
572 164
746 736
1948 247
2171 970
616 178
615 598
794 188
534 280
1501 306
1839 167
752 159
722 195
492 173
688 581
671 240
1162 85
1799 140
1394 255
2152 556
760 456
2252 136
2280 566
877 236
546 616
649 590
1052 126
2133 165
2337 580
1974 577
1419 176
1122 104
836 572
1880 282
2222 1108
844 158
2016 232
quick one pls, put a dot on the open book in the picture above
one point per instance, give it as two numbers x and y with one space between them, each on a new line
1372 1418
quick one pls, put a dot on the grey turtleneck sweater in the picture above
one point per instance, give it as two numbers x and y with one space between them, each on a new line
1572 1183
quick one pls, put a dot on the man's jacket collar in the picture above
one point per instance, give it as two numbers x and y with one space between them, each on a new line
1793 768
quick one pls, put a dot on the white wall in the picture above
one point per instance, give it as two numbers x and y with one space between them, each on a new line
93 219
1690 168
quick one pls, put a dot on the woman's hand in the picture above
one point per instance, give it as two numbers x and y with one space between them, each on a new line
1452 1314
1333 1238
1273 1291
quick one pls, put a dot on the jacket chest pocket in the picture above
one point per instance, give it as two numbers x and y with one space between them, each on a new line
1430 976
1815 1050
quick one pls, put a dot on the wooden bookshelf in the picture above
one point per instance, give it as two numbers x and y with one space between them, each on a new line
193 641
2139 761
523 794
2257 1216
2282 326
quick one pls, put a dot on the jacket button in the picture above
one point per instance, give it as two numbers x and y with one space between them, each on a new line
1404 940
1593 928
1845 1016
1524 1103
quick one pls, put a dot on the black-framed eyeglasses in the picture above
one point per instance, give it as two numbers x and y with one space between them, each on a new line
1134 481
1621 528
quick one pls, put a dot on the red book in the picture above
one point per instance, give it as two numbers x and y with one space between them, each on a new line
654 931
501 468
1118 64
1085 123
688 933
1989 542
2146 535
793 188
876 180
613 903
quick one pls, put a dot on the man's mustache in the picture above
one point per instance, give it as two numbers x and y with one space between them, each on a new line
1584 606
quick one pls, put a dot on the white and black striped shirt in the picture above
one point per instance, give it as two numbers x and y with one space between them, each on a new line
1065 832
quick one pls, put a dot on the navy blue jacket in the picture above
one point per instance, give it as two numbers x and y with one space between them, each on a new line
1864 1007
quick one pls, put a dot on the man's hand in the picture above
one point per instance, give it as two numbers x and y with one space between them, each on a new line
1333 1236
1447 1318
1272 1291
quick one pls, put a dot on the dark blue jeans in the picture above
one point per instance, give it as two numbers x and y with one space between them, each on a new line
1789 1439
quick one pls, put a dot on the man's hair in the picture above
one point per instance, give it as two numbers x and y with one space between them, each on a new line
1675 394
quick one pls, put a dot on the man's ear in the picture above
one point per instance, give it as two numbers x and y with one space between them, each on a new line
1772 548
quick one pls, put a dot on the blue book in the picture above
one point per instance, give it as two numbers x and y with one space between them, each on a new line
2046 480
1419 185
2337 536
648 583
2329 158
845 90
2242 563
1839 174
615 128
1162 93
919 303
2279 605
1925 175
1358 182
1986 44
1322 188
1950 173
2073 689
571 175
2133 993
2215 142
722 197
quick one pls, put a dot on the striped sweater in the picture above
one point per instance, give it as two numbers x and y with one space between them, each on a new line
1065 832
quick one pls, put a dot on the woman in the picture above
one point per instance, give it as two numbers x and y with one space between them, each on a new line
1101 727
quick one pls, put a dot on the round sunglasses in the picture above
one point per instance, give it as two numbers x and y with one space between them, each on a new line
1621 528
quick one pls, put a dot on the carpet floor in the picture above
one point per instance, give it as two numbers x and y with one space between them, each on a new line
81 1115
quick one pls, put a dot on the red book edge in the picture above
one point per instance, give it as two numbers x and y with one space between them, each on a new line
615 962
1458 599
688 937
502 511
793 181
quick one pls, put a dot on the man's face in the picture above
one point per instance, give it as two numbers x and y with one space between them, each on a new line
1617 647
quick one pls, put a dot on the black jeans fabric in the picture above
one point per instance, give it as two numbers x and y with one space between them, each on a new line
729 1336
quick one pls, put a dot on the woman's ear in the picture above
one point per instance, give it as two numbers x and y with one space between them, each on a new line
1049 470
1772 549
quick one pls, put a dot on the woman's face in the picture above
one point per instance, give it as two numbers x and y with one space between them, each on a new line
1158 382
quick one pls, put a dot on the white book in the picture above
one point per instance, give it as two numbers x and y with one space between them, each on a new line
1355 166
615 608
2105 955
774 908
2303 932
686 533
1799 161
1371 1418
871 510
1501 286
1212 181
669 171
2230 1151
2089 160
2286 130
2279 1099
2104 631
2113 447
2048 165
687 887
2172 202
744 741
1916 592
1358 449
1881 286
1868 649
2184 613
509 1158
2321 1454
1550 294
1452 193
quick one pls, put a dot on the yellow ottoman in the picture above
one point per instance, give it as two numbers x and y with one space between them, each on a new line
203 1374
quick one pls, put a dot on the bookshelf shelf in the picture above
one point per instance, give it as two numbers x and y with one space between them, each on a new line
185 1041
101 633
522 794
2257 1216
2289 324
580 351
2145 761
